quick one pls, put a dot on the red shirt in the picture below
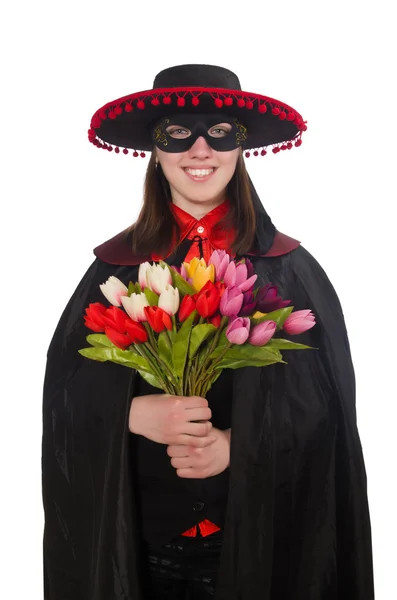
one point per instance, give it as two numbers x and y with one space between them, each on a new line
212 238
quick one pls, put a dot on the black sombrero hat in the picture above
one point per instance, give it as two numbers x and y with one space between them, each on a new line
125 124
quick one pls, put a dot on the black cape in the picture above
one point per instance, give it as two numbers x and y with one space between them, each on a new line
297 523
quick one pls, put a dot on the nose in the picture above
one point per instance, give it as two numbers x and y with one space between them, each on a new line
200 149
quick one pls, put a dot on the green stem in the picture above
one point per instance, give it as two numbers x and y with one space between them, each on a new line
145 353
152 346
203 383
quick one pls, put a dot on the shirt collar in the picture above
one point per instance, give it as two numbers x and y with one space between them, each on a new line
206 226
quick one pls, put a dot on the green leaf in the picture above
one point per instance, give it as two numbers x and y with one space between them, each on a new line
246 352
199 334
99 340
181 345
237 364
151 296
131 288
164 348
281 344
150 378
122 357
138 288
279 316
179 282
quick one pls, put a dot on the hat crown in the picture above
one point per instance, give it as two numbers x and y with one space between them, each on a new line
208 76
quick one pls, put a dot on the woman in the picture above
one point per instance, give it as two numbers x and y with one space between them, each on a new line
266 497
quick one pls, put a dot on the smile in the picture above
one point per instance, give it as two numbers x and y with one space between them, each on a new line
199 174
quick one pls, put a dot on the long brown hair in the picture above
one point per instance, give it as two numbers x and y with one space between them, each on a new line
154 229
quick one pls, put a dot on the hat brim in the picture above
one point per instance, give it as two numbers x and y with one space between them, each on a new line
127 121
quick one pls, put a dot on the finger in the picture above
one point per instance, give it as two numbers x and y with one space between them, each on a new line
194 402
197 442
198 414
190 473
178 451
197 429
182 463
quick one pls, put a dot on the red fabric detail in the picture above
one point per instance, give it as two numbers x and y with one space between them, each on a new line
206 528
195 101
218 103
217 238
247 154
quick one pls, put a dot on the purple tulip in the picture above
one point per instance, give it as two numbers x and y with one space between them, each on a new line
236 276
220 259
249 305
250 267
267 299
237 331
299 321
262 333
231 302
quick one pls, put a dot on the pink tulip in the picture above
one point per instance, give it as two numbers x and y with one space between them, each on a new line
262 333
220 259
231 302
237 331
236 276
299 321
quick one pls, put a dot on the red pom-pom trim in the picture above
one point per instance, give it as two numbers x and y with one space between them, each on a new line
167 100
96 122
289 145
276 111
249 105
263 152
128 107
290 116
135 153
112 114
181 102
262 108
195 101
241 102
117 150
284 147
118 110
125 151
155 102
228 101
140 104
110 148
218 103
142 155
256 153
298 143
247 154
276 150
102 115
282 115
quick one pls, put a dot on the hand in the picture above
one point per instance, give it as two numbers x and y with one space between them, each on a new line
167 419
199 463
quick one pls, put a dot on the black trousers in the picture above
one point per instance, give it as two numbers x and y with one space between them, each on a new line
184 569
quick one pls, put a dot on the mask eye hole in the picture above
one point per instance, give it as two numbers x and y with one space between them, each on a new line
177 132
220 130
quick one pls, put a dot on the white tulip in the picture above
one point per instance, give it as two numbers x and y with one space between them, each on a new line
134 306
157 278
142 274
114 290
169 300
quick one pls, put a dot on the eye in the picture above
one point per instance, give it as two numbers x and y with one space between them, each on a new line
220 130
178 133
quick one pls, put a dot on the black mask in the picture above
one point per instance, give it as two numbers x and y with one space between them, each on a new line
198 125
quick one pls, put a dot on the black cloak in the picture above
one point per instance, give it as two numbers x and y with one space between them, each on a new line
297 523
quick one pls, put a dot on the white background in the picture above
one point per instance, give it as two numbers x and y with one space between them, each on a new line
61 197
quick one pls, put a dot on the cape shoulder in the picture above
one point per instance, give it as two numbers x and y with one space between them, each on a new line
117 250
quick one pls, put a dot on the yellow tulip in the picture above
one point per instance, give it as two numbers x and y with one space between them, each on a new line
259 314
198 271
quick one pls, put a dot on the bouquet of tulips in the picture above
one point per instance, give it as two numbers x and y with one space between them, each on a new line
180 327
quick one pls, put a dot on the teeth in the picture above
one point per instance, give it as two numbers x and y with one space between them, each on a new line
199 172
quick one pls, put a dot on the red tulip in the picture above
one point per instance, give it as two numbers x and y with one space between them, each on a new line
93 319
115 318
136 331
188 305
215 320
118 339
208 300
158 318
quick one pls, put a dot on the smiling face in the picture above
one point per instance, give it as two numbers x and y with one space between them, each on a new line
198 174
